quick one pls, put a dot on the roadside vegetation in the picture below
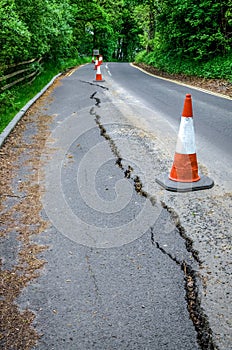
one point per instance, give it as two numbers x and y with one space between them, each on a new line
190 37
12 100
178 37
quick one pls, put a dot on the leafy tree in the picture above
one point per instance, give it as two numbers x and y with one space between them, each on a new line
128 41
97 25
48 23
196 28
14 34
145 14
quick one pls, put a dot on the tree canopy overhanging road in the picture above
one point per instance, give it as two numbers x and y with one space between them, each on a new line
198 31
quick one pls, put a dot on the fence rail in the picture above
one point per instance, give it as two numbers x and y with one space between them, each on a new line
13 76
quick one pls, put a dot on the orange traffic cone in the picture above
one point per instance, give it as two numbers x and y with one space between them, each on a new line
185 167
184 175
98 74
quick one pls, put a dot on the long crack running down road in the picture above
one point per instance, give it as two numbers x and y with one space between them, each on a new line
95 254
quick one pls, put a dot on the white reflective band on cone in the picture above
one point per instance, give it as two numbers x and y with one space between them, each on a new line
186 137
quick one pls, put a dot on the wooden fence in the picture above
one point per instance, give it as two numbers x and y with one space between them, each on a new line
25 71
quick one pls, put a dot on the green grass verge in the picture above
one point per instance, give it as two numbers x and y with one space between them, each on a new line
11 101
215 68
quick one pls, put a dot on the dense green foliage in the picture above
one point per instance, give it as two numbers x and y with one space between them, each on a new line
197 29
179 36
182 29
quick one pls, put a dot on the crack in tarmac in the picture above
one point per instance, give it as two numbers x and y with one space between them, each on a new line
127 171
199 319
92 275
94 84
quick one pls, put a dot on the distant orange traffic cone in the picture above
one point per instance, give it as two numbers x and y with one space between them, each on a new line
184 175
98 74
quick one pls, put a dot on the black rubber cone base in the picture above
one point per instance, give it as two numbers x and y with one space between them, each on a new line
203 184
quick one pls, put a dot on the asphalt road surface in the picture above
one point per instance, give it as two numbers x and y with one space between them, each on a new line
122 261
212 114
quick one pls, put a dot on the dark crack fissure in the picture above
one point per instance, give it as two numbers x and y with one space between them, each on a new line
128 171
5 195
188 242
93 277
94 84
197 315
98 101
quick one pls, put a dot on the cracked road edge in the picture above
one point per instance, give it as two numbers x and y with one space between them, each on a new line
196 313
